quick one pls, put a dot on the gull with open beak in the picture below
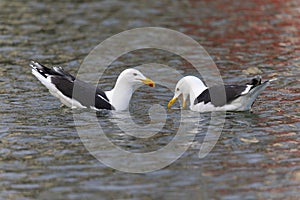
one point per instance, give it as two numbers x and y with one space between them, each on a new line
219 97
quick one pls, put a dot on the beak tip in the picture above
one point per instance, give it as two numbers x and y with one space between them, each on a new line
148 82
171 102
152 84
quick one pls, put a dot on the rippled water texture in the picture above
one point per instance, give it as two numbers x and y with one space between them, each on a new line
257 155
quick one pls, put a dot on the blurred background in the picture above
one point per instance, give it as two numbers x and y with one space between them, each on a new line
257 155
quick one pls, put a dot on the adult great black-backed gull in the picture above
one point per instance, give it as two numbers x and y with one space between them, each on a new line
61 85
238 97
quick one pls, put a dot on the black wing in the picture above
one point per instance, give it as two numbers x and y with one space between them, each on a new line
87 94
231 92
55 71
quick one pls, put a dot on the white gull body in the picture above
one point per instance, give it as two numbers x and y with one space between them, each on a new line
237 97
61 84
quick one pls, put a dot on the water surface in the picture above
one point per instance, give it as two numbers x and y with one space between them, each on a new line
257 155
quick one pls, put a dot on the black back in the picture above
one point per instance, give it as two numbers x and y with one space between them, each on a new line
84 93
231 91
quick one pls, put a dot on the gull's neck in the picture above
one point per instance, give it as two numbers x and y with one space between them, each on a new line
196 87
119 97
194 93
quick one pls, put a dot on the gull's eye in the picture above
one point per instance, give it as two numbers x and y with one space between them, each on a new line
177 89
134 74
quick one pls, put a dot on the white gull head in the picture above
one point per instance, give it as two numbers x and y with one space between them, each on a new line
119 97
187 86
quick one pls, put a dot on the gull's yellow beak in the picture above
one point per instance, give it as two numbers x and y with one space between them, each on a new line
172 101
183 102
148 82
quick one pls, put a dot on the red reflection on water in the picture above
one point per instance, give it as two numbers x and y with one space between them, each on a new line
247 28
